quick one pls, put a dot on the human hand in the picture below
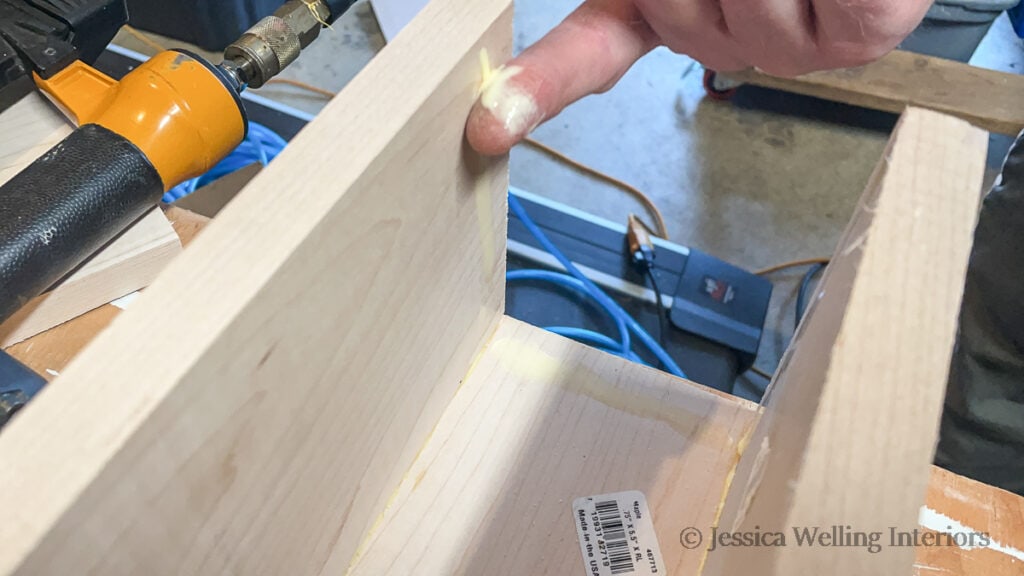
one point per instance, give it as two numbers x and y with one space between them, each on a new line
591 50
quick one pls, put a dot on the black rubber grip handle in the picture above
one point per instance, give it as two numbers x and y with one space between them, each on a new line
65 206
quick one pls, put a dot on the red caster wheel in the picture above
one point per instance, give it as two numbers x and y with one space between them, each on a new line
716 88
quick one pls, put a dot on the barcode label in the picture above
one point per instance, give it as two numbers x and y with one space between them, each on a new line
619 557
617 535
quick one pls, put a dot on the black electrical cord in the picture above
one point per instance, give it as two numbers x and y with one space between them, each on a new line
805 288
662 314
643 261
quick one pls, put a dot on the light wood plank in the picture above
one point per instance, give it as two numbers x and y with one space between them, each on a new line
850 423
254 410
986 98
975 505
30 127
539 422
129 262
49 352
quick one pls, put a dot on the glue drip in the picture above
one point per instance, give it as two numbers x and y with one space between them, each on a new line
515 108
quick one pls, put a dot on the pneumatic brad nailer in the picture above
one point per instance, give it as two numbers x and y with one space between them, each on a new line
171 119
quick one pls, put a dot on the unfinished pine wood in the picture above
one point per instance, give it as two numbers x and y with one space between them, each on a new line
986 98
129 262
539 422
29 128
850 423
971 503
974 505
255 409
49 352
187 224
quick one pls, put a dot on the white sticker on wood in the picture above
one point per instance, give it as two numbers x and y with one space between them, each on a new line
617 535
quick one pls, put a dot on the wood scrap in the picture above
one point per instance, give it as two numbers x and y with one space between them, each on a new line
986 98
49 352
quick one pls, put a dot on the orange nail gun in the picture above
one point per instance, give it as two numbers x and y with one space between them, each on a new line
169 120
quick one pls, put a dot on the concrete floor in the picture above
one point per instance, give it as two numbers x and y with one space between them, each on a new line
764 179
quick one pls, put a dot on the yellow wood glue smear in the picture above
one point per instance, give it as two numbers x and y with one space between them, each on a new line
513 107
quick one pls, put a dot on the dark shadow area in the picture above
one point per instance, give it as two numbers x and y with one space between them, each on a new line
812 109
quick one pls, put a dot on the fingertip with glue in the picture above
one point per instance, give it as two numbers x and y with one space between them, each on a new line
506 110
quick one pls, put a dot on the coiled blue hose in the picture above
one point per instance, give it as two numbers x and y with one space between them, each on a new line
594 291
595 339
566 281
261 145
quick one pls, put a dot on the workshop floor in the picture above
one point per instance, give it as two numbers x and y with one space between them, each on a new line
761 180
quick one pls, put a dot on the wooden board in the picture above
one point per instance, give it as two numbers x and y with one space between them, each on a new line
49 352
29 128
971 504
255 409
539 422
129 262
968 506
986 98
851 421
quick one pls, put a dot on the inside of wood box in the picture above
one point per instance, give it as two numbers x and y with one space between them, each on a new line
540 421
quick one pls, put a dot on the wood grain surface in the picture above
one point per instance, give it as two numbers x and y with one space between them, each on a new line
972 504
975 507
986 98
256 408
539 422
49 352
218 444
851 420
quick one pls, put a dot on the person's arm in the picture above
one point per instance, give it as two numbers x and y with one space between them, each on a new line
597 44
